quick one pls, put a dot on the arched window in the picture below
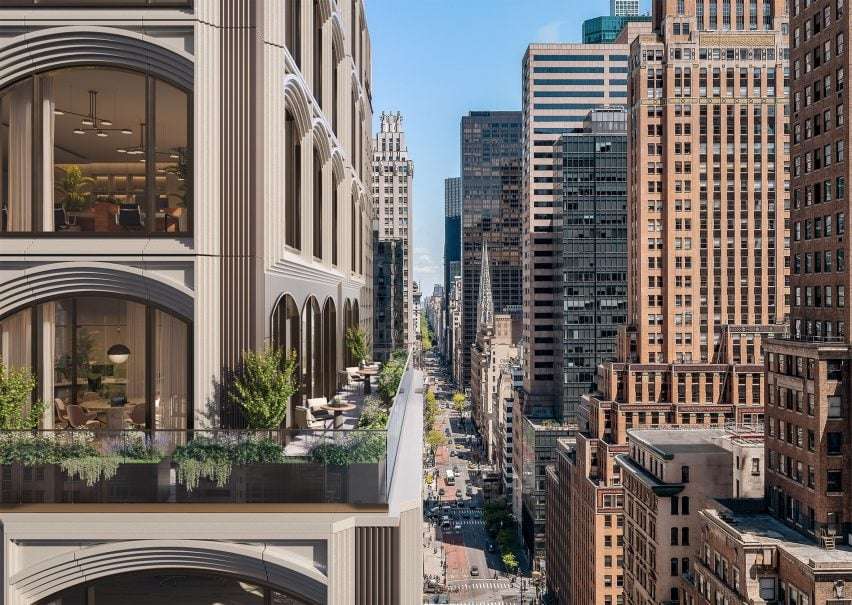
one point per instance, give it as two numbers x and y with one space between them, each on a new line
329 318
293 188
293 30
286 330
335 211
353 236
95 149
317 204
335 88
312 349
318 57
101 353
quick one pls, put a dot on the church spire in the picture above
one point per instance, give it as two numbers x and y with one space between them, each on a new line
485 308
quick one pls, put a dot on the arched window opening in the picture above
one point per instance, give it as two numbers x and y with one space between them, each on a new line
335 88
347 324
318 57
317 204
312 349
353 236
293 30
329 318
335 212
124 363
95 149
293 189
286 333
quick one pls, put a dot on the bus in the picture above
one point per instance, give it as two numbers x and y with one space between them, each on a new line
450 477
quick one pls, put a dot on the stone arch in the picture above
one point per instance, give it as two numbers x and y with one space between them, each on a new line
73 46
297 103
277 570
57 280
322 139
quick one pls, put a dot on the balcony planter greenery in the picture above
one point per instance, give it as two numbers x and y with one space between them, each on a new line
214 459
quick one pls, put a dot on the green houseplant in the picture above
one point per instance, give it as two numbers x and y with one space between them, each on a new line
264 385
356 344
17 409
74 189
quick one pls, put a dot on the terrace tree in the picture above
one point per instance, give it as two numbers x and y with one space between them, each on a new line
264 385
17 409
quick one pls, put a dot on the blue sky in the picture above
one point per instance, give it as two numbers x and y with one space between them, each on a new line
435 60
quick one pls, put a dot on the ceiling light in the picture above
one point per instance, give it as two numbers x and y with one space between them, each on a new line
126 131
102 134
106 122
58 112
118 353
121 150
174 156
87 122
79 131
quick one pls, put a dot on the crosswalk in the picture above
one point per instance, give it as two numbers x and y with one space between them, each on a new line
473 585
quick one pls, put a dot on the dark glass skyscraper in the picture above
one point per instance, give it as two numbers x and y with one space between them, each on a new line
491 160
594 247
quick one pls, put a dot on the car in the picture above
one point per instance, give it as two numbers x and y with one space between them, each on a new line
442 492
491 547
461 503
468 490
474 571
457 527
456 469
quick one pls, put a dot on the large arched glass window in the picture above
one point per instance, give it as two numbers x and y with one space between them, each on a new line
335 213
95 150
107 355
318 56
286 331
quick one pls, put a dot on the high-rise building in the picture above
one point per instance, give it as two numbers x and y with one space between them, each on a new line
183 182
809 483
592 169
561 84
623 8
389 319
606 29
491 213
706 233
393 194
452 253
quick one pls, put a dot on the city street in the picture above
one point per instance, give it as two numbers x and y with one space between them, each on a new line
454 530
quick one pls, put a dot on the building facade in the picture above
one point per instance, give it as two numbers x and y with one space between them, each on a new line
594 248
808 431
706 227
623 8
184 182
669 476
606 29
389 320
393 195
491 214
561 84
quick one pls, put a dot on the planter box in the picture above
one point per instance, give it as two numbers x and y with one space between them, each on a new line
49 484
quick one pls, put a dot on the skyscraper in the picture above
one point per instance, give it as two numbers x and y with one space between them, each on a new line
393 192
606 29
706 241
623 8
593 177
452 255
561 84
491 213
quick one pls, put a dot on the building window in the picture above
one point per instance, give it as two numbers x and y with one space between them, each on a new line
684 470
109 154
293 176
293 31
317 205
834 481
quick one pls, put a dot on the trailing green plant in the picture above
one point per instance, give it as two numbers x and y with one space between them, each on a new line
264 385
17 409
75 189
214 459
356 344
91 469
136 447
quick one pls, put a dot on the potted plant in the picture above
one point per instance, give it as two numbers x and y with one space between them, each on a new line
74 189
356 344
94 380
263 386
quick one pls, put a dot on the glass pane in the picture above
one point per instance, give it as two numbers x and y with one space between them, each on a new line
174 160
170 382
16 157
16 340
96 125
